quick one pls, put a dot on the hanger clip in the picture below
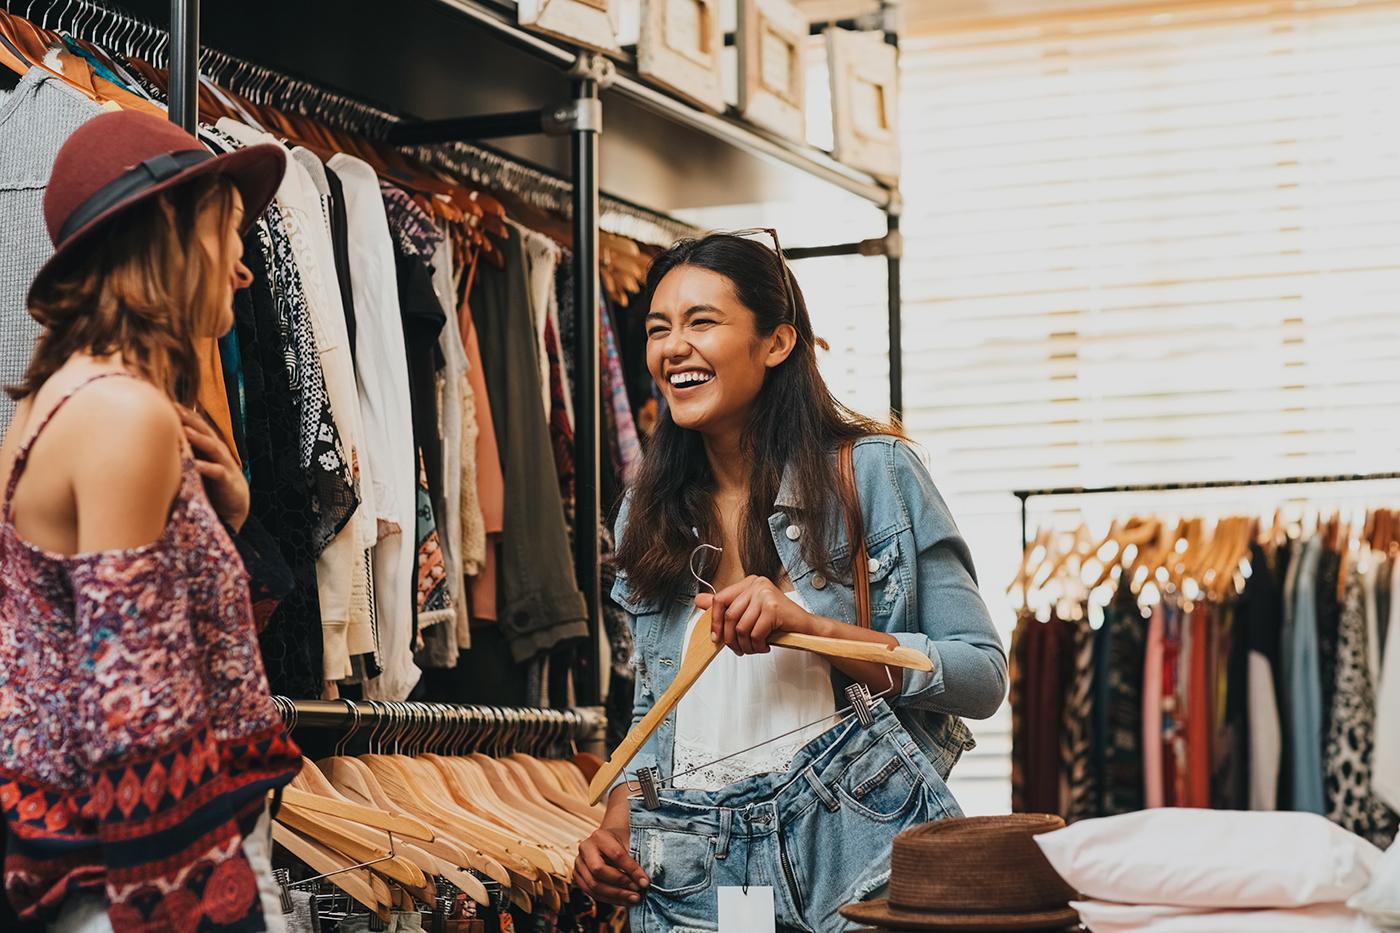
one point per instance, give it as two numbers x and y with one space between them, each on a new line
284 879
650 780
859 695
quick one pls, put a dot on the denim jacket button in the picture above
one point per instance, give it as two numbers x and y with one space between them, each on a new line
794 532
873 565
819 582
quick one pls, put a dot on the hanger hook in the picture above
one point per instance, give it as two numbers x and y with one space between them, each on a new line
699 580
353 709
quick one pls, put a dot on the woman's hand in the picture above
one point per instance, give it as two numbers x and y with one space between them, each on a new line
744 616
604 869
223 480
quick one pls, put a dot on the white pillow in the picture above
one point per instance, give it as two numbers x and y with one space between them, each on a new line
1103 917
1211 858
1381 901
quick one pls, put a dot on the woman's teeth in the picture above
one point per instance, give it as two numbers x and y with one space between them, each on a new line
681 380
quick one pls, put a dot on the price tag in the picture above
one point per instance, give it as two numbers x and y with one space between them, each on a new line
747 913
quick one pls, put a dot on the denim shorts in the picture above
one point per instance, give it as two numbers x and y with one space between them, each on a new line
819 834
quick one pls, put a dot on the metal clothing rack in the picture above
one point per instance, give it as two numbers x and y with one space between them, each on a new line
1026 494
580 117
411 724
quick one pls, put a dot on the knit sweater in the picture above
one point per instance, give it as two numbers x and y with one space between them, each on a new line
35 119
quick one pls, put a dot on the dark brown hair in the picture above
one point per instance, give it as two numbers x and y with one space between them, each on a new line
795 424
144 287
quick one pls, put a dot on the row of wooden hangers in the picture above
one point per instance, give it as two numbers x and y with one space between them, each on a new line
239 90
1189 555
432 800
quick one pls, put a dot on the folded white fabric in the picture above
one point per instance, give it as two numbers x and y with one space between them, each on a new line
1223 859
1381 901
1103 917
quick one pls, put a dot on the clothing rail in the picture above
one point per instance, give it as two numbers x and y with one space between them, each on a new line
412 724
1026 494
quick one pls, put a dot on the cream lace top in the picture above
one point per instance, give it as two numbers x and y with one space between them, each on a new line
740 702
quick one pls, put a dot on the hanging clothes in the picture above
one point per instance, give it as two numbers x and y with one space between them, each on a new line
280 489
1386 775
1305 686
322 355
462 520
35 118
490 478
415 242
1351 741
541 262
349 555
1263 612
1120 649
1154 791
1077 732
539 602
387 413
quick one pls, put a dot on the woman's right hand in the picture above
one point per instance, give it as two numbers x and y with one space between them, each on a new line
605 870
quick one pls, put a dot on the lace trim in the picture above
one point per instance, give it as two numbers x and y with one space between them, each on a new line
769 759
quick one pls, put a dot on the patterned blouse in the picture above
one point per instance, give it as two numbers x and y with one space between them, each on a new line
137 736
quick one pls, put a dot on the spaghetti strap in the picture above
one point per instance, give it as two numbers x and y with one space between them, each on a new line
22 457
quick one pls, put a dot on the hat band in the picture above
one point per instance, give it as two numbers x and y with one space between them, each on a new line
127 185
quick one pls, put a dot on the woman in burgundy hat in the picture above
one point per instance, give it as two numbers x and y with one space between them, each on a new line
137 737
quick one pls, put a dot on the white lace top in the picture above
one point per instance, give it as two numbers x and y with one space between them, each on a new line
740 702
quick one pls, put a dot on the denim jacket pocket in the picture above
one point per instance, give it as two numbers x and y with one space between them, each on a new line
678 863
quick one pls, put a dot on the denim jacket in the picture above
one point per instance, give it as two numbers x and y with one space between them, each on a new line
923 591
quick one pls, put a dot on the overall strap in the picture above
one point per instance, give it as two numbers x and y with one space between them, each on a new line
22 457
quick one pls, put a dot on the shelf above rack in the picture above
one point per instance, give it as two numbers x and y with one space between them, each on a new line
498 16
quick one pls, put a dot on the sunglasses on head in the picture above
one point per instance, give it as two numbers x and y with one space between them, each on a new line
783 271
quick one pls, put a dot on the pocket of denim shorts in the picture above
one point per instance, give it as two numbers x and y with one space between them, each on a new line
677 863
881 784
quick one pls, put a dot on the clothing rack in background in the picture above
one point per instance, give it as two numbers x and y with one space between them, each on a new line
579 117
494 726
1026 494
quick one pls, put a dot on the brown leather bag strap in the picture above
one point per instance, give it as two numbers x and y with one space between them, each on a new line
855 531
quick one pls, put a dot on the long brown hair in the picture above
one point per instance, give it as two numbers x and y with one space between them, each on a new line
146 287
794 424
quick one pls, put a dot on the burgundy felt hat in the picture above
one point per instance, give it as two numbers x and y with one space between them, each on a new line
117 160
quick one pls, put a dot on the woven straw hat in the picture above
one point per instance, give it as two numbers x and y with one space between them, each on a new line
977 873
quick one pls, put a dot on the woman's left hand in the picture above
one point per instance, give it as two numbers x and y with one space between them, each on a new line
744 616
223 480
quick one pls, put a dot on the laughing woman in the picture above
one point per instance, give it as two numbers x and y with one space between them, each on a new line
745 464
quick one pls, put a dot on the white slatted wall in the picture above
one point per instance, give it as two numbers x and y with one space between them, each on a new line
1138 250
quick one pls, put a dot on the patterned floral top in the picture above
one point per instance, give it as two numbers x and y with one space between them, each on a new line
137 735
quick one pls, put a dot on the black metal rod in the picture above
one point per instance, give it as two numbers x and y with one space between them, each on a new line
1025 494
1207 484
184 63
1025 522
823 252
896 299
467 129
587 417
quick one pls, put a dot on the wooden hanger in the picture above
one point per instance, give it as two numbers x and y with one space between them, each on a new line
1041 544
355 882
405 826
339 836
